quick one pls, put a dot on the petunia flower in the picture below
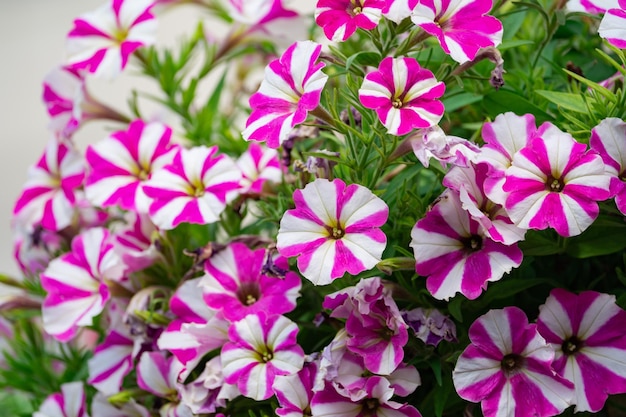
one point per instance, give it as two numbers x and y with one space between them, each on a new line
341 18
613 26
70 402
461 26
591 6
101 407
258 12
587 334
398 10
430 325
101 41
507 368
334 229
432 142
208 391
555 182
291 88
121 164
134 241
258 166
261 347
194 188
403 94
294 392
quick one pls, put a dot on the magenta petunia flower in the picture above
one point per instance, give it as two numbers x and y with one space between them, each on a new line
555 182
194 188
49 197
258 12
63 91
507 368
70 402
101 407
403 94
236 285
294 392
291 88
591 6
134 242
261 347
101 41
76 283
613 26
609 140
398 10
587 334
334 229
122 163
452 249
259 165
461 26
341 18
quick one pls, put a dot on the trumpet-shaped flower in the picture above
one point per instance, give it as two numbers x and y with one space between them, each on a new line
609 140
70 402
398 10
76 283
63 90
461 26
291 88
452 249
258 12
555 182
261 347
101 41
294 392
101 407
613 26
194 188
49 197
341 18
587 334
259 165
334 229
133 242
123 162
157 373
507 368
403 94
591 6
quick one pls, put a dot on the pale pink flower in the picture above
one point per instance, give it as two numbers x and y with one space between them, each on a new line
209 391
291 88
121 164
506 364
102 41
613 26
334 229
404 95
194 188
432 142
461 26
34 248
70 402
258 166
341 18
587 334
609 140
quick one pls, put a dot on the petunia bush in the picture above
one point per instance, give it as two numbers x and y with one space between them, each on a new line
393 208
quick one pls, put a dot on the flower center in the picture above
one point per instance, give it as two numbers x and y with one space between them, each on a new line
266 355
143 175
511 363
571 345
554 184
335 232
355 8
397 103
370 405
248 293
473 243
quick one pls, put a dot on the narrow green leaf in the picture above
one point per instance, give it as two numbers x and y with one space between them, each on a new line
597 241
568 101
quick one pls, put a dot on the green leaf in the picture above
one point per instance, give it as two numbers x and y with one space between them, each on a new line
568 101
457 101
454 308
435 364
509 287
363 58
594 86
540 243
597 241
502 101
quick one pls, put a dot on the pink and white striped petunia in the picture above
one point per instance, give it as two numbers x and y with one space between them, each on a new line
236 285
452 249
461 27
101 407
157 373
291 88
398 10
591 6
613 26
587 333
403 94
76 283
63 90
507 368
555 182
122 163
294 392
259 165
49 195
101 41
258 12
609 140
194 188
334 229
261 347
341 18
134 242
70 402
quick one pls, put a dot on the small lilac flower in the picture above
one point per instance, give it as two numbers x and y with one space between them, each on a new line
451 248
209 391
430 325
432 142
70 402
613 26
587 334
461 27
403 94
507 364
334 229
341 18
194 188
261 347
291 88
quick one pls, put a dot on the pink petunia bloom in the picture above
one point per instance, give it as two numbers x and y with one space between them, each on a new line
34 248
258 166
461 27
236 285
587 334
609 140
294 392
434 143
49 197
507 368
101 407
291 88
334 229
403 94
398 10
134 242
261 347
452 249
591 6
613 26
194 188
70 402
341 18
76 283
101 41
258 12
209 391
122 163
555 182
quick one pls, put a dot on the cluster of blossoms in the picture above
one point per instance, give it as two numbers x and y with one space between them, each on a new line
214 257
